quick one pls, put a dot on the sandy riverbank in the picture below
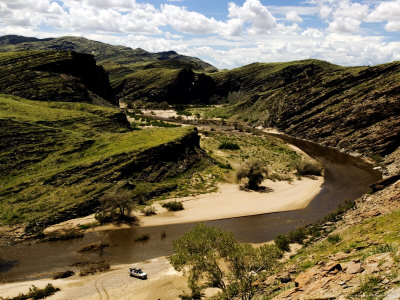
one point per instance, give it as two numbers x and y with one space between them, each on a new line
228 202
163 283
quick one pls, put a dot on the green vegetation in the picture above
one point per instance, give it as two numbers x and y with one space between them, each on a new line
226 145
280 159
334 238
381 230
211 257
173 205
36 293
60 157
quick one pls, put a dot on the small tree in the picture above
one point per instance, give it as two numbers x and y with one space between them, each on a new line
213 258
255 172
116 204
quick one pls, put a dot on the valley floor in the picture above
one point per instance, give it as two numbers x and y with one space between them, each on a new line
163 283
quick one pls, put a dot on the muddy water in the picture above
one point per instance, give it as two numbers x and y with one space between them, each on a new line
345 178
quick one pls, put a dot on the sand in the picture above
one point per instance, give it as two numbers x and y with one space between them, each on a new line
231 202
163 283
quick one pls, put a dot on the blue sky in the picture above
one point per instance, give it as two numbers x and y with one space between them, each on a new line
225 33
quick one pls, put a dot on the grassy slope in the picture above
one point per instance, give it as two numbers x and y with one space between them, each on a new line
280 159
355 108
56 156
54 76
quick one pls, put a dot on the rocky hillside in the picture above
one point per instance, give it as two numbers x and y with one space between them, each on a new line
55 76
353 109
58 158
135 74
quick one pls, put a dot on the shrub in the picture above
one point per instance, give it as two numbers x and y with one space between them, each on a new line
36 293
282 242
255 172
64 274
309 168
142 238
226 145
173 206
149 211
334 238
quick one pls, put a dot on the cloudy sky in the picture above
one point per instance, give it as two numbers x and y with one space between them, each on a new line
226 33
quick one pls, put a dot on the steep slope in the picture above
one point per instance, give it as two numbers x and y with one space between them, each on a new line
102 52
57 158
54 76
354 109
171 85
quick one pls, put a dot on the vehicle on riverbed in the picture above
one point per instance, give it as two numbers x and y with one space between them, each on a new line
138 273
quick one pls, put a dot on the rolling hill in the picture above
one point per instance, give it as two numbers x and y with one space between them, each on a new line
55 76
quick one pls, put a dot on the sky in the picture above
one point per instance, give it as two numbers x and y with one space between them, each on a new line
225 33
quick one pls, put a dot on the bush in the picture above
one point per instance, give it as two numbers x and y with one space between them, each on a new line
173 206
255 172
282 242
149 211
64 274
309 168
229 146
334 238
36 293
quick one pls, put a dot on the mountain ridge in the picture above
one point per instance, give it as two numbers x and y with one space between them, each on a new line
102 52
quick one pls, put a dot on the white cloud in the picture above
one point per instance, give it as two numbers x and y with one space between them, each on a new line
255 13
248 33
387 12
292 16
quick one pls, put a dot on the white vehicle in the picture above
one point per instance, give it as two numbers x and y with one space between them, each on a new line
138 273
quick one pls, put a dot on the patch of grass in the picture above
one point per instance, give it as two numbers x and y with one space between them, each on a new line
88 226
173 205
36 293
334 238
226 145
64 274
369 288
149 211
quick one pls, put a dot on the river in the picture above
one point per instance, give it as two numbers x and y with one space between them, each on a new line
346 177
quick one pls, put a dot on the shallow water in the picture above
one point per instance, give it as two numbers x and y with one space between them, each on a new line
346 177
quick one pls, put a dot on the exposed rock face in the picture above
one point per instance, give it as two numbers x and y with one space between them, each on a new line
55 76
173 86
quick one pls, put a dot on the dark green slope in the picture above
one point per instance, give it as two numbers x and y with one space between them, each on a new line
55 76
351 108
